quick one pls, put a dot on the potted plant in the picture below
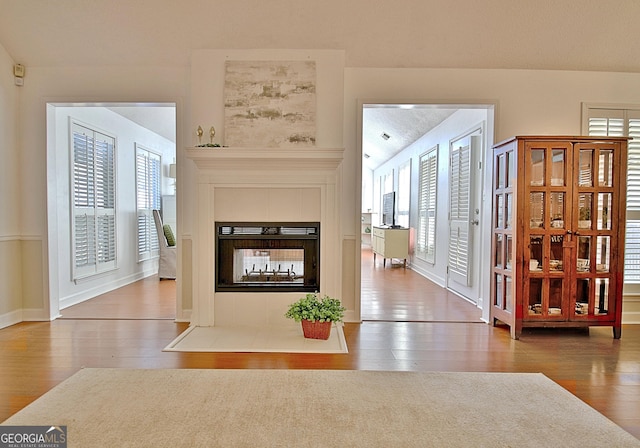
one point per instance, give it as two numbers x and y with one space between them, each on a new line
316 314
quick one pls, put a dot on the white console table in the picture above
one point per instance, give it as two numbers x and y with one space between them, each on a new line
390 243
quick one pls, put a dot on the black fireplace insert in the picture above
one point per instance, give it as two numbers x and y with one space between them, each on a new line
267 256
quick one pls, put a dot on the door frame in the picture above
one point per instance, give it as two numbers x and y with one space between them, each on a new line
55 185
485 210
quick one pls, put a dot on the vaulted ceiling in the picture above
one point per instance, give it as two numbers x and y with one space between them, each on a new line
523 34
387 129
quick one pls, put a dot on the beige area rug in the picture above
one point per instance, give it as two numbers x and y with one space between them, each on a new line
319 408
274 339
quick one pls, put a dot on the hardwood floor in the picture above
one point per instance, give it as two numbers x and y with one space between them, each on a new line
396 294
145 299
603 372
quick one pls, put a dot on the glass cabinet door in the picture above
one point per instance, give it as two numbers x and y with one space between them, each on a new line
547 221
593 231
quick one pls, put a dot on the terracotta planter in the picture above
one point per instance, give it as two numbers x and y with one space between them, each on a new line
316 330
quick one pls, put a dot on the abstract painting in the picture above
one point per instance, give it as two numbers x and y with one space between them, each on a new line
270 104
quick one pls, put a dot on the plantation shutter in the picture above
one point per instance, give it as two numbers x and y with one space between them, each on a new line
148 178
427 194
625 123
94 217
459 218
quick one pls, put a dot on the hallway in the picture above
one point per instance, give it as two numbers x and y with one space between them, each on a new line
395 294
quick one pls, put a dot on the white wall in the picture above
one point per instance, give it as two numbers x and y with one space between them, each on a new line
44 85
10 232
367 190
127 134
207 84
527 102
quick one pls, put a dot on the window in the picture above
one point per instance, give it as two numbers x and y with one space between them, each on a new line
616 122
404 194
148 198
427 195
94 201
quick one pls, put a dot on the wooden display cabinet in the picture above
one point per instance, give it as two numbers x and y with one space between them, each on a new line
558 232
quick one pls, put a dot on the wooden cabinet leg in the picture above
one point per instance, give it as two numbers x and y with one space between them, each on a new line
617 332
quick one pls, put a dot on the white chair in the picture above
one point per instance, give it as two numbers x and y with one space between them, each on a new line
167 261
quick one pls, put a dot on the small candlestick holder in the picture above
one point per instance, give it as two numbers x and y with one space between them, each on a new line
199 133
212 133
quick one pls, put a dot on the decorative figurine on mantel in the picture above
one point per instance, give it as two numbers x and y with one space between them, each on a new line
199 133
212 133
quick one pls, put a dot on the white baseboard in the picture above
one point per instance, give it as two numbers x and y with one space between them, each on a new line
87 294
440 281
630 318
350 316
10 318
631 309
35 315
185 316
25 315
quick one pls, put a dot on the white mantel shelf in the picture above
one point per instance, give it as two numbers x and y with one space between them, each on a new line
308 158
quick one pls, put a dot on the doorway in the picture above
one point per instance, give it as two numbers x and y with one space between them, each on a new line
436 129
97 241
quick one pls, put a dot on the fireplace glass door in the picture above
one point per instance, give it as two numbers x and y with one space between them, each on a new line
267 257
268 266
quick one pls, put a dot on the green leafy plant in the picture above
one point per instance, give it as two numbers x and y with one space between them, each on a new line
312 307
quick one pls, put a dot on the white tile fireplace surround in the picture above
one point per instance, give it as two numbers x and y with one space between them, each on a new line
262 185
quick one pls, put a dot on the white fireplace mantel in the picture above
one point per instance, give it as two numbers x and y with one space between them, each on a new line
288 159
292 184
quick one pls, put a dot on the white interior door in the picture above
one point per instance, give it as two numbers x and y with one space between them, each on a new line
464 215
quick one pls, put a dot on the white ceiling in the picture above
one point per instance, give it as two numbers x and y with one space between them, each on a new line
516 34
159 119
403 123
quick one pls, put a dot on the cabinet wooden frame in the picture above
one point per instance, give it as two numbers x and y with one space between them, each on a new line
551 267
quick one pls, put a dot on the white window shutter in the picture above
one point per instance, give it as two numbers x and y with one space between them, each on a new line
94 239
459 209
427 195
148 193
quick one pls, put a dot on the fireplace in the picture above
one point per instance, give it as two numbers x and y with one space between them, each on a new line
270 191
267 256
